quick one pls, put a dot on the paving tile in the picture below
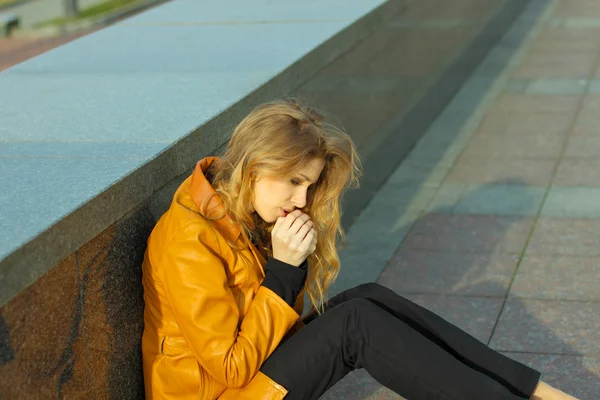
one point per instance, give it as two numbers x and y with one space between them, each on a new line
556 86
573 202
531 104
526 125
594 86
589 117
371 244
537 144
576 375
475 315
583 146
557 277
555 44
46 338
548 326
446 198
436 272
576 22
566 236
583 132
468 233
501 200
551 65
495 170
562 56
579 8
557 39
578 172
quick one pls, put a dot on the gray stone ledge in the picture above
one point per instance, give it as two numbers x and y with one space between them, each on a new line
36 252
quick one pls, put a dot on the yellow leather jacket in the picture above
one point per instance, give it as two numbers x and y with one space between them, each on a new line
208 323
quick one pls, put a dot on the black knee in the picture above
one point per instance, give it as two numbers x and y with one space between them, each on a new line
357 311
371 289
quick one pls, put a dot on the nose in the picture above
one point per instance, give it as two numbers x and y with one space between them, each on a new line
299 198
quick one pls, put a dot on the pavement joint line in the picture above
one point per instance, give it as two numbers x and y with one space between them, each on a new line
493 297
592 356
539 353
469 127
574 22
560 158
493 88
499 87
548 188
500 82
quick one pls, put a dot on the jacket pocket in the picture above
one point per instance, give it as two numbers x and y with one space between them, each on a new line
179 371
178 377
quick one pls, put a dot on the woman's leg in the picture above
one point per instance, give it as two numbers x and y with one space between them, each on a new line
359 334
518 378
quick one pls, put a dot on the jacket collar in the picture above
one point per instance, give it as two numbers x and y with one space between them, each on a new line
201 189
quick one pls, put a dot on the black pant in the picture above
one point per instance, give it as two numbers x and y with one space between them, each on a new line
405 347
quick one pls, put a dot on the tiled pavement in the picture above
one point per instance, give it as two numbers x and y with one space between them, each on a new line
493 221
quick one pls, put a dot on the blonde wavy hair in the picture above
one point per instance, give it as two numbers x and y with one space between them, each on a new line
275 140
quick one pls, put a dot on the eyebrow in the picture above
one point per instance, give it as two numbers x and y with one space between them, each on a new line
306 178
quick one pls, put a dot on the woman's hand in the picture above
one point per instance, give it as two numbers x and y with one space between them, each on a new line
293 238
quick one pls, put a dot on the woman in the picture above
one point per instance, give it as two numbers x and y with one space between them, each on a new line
245 238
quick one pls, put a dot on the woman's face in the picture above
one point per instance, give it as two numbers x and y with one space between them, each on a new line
277 197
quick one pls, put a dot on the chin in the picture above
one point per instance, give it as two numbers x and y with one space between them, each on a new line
268 220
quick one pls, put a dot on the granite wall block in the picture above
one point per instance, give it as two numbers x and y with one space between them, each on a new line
76 332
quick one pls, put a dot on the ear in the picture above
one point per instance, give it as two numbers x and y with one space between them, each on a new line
254 176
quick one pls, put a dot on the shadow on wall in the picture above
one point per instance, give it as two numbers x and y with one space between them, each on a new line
77 331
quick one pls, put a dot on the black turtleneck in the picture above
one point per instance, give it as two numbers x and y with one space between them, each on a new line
284 279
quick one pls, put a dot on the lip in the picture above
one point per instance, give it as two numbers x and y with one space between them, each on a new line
286 212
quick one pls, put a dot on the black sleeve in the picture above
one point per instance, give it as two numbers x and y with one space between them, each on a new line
285 279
